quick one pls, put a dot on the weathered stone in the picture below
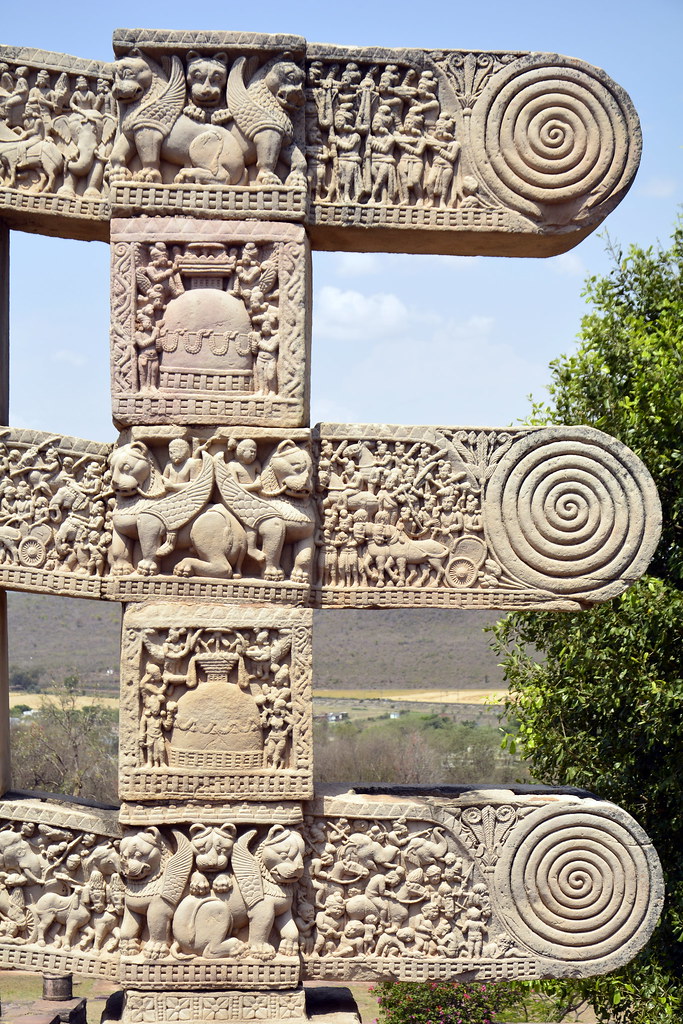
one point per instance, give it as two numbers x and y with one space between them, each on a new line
57 125
220 887
477 886
55 518
210 322
548 517
399 150
215 700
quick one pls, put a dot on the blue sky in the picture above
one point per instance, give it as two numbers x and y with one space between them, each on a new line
412 339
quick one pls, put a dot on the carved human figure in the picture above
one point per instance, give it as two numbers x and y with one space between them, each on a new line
345 142
445 150
146 342
380 145
182 467
412 144
265 347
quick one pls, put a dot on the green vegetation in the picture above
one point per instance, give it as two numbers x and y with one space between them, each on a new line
413 748
64 748
604 708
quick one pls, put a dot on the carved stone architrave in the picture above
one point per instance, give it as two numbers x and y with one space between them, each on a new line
541 517
477 885
62 892
210 322
444 151
224 515
216 702
55 513
57 125
215 97
463 152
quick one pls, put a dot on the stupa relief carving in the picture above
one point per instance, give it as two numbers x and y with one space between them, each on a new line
215 701
209 326
479 517
213 161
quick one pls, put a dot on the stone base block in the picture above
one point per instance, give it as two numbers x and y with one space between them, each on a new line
235 1006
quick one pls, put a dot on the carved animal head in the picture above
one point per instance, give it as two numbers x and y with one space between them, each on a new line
212 846
133 470
288 471
133 77
286 82
206 79
142 854
282 853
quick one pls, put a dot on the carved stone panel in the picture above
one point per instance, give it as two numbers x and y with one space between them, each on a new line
61 894
55 513
552 517
459 152
226 515
210 907
210 322
57 125
211 125
477 886
230 1005
215 700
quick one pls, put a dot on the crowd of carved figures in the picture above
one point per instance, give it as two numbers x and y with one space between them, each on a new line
379 134
56 130
390 889
55 509
174 661
397 513
244 510
247 274
60 887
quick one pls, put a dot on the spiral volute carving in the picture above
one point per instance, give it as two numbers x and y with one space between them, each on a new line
580 884
555 132
572 511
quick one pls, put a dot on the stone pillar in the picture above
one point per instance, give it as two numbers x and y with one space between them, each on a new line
5 764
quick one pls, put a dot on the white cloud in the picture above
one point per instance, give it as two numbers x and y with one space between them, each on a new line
351 316
357 264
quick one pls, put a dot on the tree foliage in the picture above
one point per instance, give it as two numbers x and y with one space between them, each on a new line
66 747
603 708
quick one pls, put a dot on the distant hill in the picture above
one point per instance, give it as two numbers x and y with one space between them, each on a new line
422 648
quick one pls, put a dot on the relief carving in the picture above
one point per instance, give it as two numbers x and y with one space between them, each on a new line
61 889
244 511
488 518
209 330
57 125
55 512
217 708
235 909
470 142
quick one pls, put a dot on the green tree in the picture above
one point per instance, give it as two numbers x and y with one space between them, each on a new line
66 747
603 707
